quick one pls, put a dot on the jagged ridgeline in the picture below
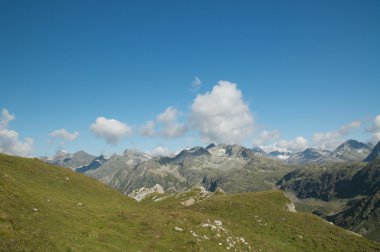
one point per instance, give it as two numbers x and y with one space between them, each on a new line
232 167
48 208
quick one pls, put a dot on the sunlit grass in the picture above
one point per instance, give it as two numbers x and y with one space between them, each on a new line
47 208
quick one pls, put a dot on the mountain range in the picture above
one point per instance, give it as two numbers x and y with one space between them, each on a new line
232 167
349 151
73 161
323 182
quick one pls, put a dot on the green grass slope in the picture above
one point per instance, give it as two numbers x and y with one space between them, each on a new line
47 208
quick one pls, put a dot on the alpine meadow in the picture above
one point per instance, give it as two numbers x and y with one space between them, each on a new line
190 125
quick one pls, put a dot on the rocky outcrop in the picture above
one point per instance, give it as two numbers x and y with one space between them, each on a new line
290 207
142 193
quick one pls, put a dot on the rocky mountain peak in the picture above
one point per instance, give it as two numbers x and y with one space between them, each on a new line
375 153
212 145
309 155
351 150
353 144
193 152
81 152
258 150
231 150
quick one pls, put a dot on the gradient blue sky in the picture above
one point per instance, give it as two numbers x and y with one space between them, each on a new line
302 66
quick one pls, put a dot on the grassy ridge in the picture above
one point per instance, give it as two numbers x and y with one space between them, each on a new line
46 208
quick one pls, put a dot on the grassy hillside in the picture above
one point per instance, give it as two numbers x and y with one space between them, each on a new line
46 208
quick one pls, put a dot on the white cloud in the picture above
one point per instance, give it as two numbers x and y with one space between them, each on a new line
298 144
266 137
9 142
148 129
110 129
377 122
271 147
64 135
222 116
377 136
173 130
330 140
5 118
171 127
345 129
375 129
168 116
196 84
168 125
161 151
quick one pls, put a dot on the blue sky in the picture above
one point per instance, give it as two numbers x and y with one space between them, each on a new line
300 67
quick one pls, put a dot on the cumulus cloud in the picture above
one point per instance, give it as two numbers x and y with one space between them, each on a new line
161 151
148 129
330 140
171 127
298 144
266 137
377 122
222 116
196 84
9 142
64 135
110 129
5 118
375 129
168 116
376 136
173 130
345 129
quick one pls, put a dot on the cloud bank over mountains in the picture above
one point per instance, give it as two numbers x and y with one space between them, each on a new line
171 127
110 129
148 129
221 115
375 129
330 140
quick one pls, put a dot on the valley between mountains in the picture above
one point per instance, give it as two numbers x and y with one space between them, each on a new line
217 198
341 186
